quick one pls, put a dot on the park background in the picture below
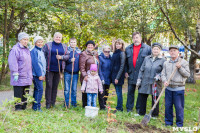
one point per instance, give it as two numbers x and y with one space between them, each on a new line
165 21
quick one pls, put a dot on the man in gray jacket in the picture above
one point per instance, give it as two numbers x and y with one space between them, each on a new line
135 54
174 93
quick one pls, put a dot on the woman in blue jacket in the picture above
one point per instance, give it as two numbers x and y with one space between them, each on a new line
117 71
104 73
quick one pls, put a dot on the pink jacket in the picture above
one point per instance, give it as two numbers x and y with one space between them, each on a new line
93 84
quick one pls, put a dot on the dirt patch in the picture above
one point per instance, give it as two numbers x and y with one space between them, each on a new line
137 128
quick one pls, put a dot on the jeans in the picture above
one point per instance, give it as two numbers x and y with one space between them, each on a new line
92 99
131 98
118 89
67 81
38 91
175 98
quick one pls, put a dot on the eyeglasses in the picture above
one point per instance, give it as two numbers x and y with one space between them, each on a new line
107 52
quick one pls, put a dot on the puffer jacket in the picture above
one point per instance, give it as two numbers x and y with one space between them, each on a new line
93 84
85 60
181 74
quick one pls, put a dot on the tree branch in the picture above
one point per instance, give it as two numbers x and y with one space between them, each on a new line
174 32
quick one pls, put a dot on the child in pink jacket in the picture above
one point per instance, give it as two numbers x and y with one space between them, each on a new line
92 85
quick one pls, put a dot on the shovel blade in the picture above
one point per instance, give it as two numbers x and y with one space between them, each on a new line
146 120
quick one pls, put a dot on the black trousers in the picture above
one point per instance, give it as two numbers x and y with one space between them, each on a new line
52 81
131 98
143 105
102 99
84 99
19 92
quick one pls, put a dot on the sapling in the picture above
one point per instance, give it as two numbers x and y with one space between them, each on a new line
110 116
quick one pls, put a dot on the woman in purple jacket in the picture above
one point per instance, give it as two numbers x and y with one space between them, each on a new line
20 69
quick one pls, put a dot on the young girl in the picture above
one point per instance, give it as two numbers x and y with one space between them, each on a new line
39 71
117 71
92 85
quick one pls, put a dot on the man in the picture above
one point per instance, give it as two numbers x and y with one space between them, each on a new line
174 93
135 54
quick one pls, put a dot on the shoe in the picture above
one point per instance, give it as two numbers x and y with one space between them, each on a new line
136 115
39 110
128 110
48 106
53 105
154 118
115 111
137 110
18 109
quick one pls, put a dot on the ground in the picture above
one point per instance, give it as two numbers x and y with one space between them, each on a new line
59 119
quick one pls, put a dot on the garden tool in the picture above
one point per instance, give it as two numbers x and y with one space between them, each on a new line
71 78
147 118
61 79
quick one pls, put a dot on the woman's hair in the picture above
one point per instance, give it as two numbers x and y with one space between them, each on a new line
106 47
121 42
57 33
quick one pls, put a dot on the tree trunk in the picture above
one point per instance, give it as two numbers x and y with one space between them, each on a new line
192 62
192 65
3 66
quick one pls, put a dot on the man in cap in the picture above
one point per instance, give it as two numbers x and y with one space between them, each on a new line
174 93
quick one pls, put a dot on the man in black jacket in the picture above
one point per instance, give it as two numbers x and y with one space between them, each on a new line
135 54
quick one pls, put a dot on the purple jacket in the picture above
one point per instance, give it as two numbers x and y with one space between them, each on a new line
93 84
20 63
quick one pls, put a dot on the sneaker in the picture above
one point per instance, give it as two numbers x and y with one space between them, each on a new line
136 115
154 118
39 110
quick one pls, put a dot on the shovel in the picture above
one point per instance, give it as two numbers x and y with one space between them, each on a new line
147 118
71 79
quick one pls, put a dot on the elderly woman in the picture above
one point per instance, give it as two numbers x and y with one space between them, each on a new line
104 73
52 75
117 71
149 78
87 57
20 69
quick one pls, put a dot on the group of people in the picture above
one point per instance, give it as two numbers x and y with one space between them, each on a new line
142 65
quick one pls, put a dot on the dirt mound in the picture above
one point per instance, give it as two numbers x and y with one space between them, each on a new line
137 128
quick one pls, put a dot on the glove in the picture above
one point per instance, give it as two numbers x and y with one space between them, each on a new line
138 82
103 82
157 77
16 77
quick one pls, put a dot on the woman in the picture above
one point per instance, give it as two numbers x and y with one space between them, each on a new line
104 68
20 69
149 79
87 57
117 71
52 75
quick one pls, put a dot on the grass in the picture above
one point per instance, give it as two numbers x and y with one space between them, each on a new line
73 120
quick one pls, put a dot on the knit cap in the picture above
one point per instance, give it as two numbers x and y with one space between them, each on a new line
22 35
37 38
93 67
90 42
